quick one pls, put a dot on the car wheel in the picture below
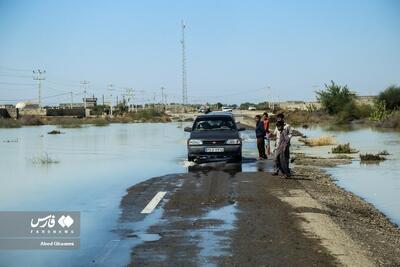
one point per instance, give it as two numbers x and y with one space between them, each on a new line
238 158
189 158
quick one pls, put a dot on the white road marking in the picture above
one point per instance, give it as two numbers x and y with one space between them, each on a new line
154 202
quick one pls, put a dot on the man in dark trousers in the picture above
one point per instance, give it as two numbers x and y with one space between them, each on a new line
260 134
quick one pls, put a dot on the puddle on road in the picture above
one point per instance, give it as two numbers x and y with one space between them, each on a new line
214 240
113 254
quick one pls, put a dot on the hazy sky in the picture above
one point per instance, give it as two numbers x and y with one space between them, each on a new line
235 49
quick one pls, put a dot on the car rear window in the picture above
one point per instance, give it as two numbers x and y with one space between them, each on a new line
210 124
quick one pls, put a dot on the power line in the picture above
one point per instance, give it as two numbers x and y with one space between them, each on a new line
13 83
39 78
84 84
14 69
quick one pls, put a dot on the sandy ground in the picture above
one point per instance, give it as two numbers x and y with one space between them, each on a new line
304 221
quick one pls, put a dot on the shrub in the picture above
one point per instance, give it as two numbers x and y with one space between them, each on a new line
147 115
393 121
335 98
343 149
391 97
371 157
364 110
380 112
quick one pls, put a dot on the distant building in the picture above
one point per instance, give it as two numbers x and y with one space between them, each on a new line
27 105
7 106
69 105
91 102
366 99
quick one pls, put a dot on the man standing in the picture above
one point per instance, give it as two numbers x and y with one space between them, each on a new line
260 135
266 127
277 134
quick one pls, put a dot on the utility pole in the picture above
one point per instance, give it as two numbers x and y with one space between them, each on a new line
184 78
110 88
129 95
39 77
72 98
162 96
268 95
84 85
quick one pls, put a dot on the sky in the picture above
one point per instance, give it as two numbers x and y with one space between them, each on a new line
236 51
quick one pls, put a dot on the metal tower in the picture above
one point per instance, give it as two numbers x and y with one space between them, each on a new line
184 81
39 77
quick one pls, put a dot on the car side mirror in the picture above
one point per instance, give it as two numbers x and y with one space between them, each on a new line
241 129
187 129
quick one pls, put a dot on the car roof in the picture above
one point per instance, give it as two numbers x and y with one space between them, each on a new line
215 114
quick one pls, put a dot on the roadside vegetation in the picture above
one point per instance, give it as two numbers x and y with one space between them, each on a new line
142 115
339 105
343 149
386 111
340 102
324 140
371 157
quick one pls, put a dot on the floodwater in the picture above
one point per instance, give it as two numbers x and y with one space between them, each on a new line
377 183
97 164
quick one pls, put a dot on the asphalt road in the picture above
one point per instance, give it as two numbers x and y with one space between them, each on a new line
217 215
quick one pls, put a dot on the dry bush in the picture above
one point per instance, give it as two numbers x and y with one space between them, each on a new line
324 140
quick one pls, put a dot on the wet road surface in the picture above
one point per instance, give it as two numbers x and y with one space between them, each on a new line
217 215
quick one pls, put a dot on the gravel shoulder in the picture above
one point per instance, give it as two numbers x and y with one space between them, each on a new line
360 220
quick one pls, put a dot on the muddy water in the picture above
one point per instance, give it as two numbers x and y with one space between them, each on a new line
96 166
377 183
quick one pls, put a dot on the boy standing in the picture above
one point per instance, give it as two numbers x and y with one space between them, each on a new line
266 127
260 135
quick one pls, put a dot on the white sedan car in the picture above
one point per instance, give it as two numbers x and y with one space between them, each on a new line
226 109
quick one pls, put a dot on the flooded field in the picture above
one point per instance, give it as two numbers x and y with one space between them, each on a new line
378 183
93 166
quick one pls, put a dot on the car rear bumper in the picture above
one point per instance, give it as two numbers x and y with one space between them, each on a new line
199 152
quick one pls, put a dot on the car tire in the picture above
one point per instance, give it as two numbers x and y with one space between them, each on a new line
238 158
189 158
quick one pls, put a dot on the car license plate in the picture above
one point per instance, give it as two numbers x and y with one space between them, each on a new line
214 149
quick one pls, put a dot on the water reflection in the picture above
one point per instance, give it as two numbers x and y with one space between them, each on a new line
379 182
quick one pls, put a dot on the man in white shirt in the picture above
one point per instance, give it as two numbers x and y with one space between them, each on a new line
276 134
